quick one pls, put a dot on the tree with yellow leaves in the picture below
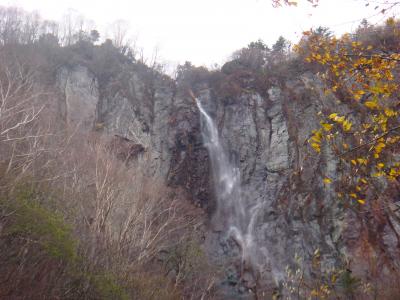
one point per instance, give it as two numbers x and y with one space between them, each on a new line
365 77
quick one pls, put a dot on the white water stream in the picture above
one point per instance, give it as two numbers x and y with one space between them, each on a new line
238 220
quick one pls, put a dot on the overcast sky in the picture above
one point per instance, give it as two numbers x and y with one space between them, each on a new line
205 31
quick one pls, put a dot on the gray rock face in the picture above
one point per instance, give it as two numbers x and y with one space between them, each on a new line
265 136
81 94
149 111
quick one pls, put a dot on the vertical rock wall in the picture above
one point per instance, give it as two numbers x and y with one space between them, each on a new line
265 135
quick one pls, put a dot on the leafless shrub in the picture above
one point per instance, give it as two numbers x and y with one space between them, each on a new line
136 212
24 125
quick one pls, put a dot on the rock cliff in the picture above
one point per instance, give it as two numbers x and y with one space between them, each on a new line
265 133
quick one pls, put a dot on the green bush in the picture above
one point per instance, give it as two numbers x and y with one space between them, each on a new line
51 242
106 287
31 220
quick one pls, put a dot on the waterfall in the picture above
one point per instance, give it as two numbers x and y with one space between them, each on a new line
238 220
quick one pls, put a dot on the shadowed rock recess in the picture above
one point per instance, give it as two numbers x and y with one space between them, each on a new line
263 129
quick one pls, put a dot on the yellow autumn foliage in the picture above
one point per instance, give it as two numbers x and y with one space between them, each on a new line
364 78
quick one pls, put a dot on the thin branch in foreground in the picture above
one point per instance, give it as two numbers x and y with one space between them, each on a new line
370 141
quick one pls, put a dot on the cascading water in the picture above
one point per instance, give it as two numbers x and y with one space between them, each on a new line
238 220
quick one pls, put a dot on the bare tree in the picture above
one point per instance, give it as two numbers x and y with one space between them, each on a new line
11 24
49 27
20 109
31 28
74 27
118 32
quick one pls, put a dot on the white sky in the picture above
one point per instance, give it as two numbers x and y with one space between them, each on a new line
205 31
